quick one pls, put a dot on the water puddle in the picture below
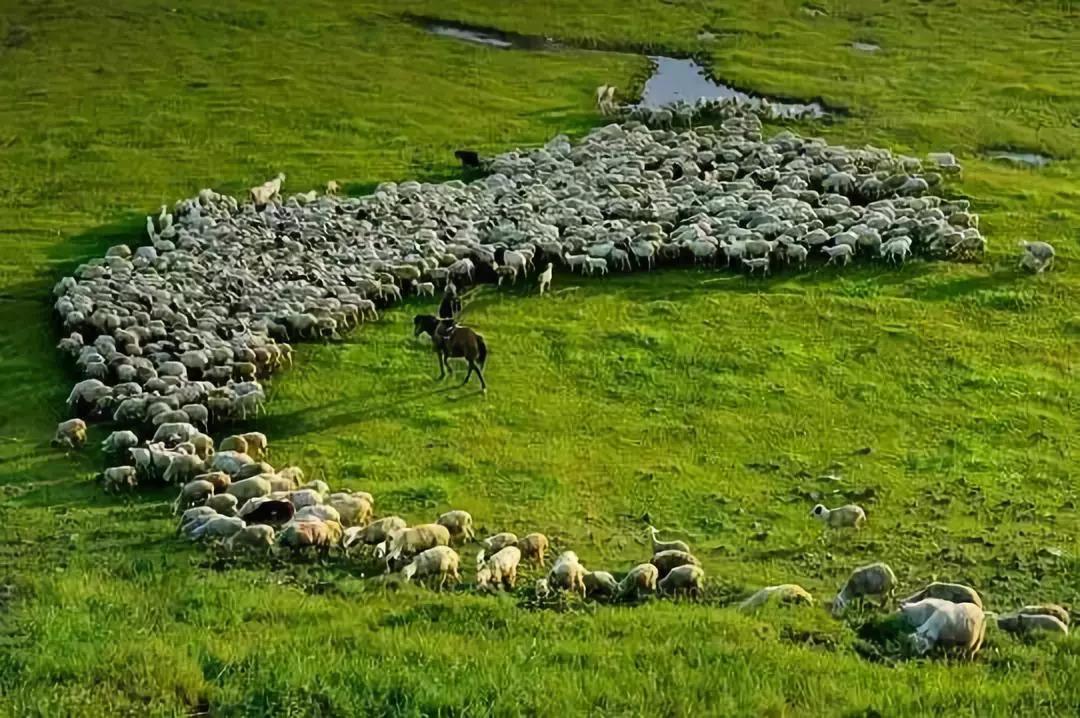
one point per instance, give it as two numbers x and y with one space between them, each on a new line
865 47
675 80
1028 159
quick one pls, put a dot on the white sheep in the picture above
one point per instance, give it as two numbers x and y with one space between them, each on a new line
333 188
425 289
192 493
374 533
545 279
119 442
258 447
658 546
305 497
851 516
183 468
687 579
958 625
459 524
665 561
1028 623
567 573
410 541
496 543
224 504
355 509
1038 256
267 191
259 536
757 263
844 252
221 527
248 489
119 477
955 592
322 512
875 579
641 579
70 433
785 592
897 250
594 265
1047 609
498 569
534 547
600 583
441 561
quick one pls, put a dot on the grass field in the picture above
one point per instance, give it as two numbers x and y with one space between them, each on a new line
945 397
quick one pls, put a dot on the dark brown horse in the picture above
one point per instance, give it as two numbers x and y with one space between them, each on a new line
454 341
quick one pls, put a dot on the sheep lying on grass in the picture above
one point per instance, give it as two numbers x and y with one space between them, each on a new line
1032 623
441 561
784 593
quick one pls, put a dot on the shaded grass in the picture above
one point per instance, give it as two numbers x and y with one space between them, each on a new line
942 396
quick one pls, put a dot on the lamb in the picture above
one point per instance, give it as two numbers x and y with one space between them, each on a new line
785 593
1028 623
594 265
567 573
194 492
496 543
408 542
959 625
605 99
545 279
425 289
658 546
441 561
500 568
843 516
600 583
70 434
665 561
459 524
1038 256
875 579
686 579
843 252
120 477
576 260
761 263
534 547
641 579
954 592
255 537
224 504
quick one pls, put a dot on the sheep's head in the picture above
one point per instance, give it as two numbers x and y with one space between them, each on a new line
819 512
838 605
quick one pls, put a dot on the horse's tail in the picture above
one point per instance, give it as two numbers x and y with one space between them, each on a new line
481 351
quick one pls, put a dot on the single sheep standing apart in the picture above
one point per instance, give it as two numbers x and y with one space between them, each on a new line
842 516
70 433
785 593
545 279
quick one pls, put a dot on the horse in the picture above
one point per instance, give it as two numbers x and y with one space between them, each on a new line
425 324
454 341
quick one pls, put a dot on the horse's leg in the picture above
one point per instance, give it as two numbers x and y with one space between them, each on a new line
472 366
479 373
442 365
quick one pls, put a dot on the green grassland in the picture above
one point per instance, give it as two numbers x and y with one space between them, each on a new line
943 396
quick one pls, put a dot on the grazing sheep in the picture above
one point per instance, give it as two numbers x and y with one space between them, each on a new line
70 433
1029 623
319 535
844 252
174 432
459 524
323 488
119 442
294 474
251 537
248 489
875 579
183 468
665 561
120 477
305 497
917 613
542 589
194 492
954 592
658 546
355 509
567 574
600 583
1047 609
411 541
194 513
544 279
219 479
534 547
204 446
234 443
641 579
322 512
496 543
256 468
499 569
376 532
441 561
224 504
686 579
850 516
219 527
785 593
953 625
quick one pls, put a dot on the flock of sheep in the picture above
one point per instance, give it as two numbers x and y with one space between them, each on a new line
175 337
